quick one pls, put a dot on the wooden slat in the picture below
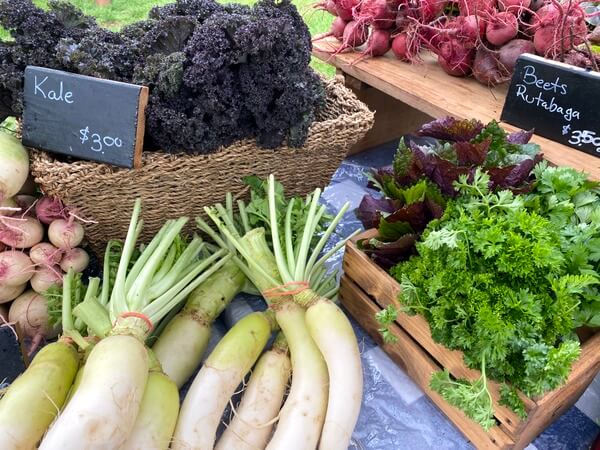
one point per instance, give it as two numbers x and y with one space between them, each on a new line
418 365
384 289
427 88
554 403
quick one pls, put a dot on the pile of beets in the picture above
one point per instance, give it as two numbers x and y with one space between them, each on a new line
479 37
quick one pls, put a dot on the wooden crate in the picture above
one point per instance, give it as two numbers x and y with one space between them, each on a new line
366 289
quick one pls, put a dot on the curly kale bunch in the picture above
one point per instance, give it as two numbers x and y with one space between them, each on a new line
36 34
217 73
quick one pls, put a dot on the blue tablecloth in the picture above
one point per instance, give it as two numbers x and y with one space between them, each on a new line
396 414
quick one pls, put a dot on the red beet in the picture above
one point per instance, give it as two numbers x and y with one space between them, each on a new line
501 28
454 58
377 13
509 53
487 69
378 43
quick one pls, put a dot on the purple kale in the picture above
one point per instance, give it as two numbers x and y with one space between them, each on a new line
216 73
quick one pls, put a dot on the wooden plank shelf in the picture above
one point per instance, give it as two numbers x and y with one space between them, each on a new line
428 89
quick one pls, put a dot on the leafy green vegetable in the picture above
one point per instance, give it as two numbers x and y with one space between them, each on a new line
509 397
490 280
386 317
473 398
54 298
425 169
572 203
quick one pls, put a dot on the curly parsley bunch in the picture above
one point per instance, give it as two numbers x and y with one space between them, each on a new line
491 279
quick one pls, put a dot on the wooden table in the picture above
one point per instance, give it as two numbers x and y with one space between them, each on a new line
422 91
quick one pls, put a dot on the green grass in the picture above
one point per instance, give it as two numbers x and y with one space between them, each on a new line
122 12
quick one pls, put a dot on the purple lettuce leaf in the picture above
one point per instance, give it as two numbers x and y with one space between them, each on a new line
415 214
512 177
441 172
388 254
378 177
452 129
370 209
472 154
435 209
519 137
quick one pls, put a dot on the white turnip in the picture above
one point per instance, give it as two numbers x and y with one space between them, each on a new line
45 277
76 259
515 7
49 209
65 234
45 254
9 293
501 28
30 311
16 268
22 233
14 165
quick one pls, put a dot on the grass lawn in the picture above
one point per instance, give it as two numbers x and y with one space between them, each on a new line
121 12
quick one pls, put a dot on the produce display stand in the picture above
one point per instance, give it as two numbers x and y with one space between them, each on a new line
405 96
366 289
408 95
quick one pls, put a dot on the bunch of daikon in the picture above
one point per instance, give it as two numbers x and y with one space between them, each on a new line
39 239
109 390
286 265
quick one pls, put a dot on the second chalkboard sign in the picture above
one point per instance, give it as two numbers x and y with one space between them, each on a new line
558 100
84 117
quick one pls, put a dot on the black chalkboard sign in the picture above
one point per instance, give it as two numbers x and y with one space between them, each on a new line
561 102
84 117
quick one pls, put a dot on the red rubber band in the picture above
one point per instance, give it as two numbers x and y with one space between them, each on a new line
281 291
139 316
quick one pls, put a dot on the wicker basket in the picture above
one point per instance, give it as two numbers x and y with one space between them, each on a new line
180 185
